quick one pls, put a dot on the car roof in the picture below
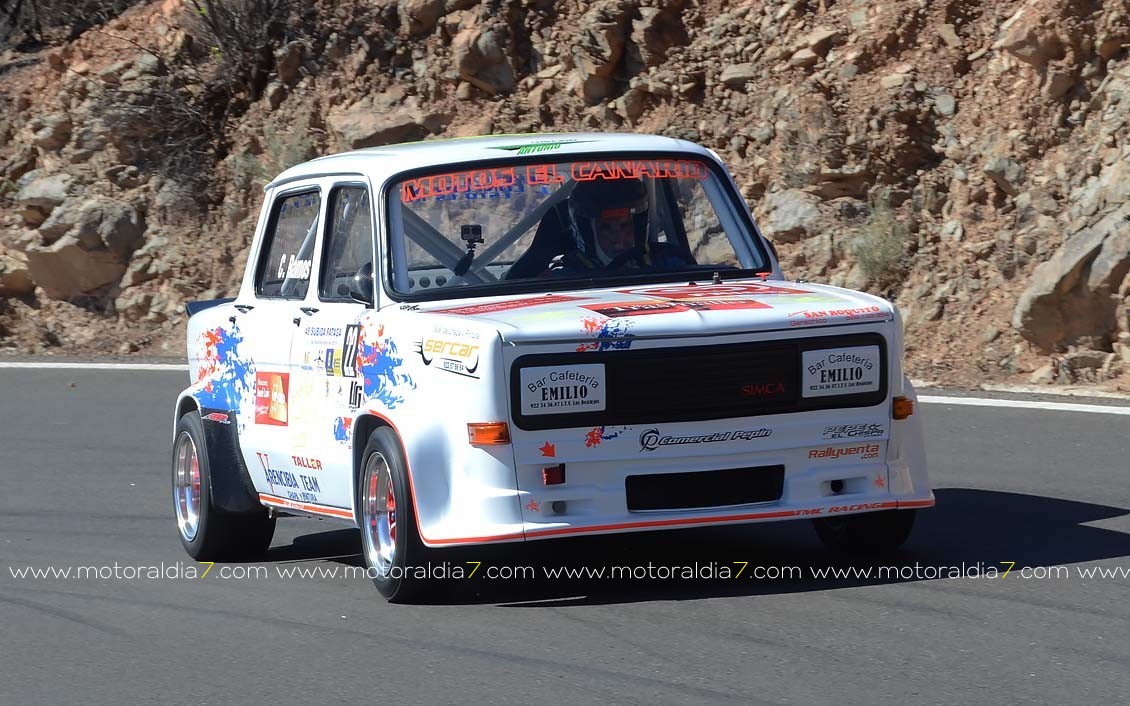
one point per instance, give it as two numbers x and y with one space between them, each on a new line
381 162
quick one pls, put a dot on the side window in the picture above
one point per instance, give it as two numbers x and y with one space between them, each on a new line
349 241
284 268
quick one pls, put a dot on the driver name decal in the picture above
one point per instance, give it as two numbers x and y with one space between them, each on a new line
558 389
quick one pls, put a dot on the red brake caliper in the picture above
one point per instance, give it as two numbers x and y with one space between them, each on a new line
390 500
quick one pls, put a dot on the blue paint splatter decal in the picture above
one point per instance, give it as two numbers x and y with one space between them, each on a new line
610 334
599 434
225 374
381 365
343 429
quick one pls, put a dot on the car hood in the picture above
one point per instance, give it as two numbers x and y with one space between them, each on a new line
666 311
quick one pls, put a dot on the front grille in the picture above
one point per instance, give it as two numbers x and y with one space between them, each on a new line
698 383
687 491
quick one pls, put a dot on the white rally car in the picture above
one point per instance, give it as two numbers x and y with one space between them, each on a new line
506 339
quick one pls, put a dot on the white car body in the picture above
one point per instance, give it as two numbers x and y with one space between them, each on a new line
300 383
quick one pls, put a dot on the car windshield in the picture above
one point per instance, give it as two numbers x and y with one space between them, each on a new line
516 226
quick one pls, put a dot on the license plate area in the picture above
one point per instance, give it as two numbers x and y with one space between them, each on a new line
701 489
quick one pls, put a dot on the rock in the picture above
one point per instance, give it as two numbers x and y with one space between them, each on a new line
945 105
134 304
821 39
1007 173
1082 365
893 80
949 36
64 269
53 133
275 94
789 215
39 194
656 31
1030 37
288 59
1058 83
1045 375
599 49
1069 296
736 76
15 278
804 58
112 225
57 224
631 104
420 16
952 232
480 60
371 123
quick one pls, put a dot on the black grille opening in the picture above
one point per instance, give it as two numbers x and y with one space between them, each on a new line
698 489
699 383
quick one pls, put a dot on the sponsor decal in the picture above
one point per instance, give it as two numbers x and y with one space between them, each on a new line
840 371
295 269
818 317
218 417
548 450
644 308
327 332
538 147
880 482
295 486
857 507
691 292
651 439
380 367
356 395
533 506
763 389
311 464
349 347
508 305
453 355
638 168
560 389
854 431
865 452
271 398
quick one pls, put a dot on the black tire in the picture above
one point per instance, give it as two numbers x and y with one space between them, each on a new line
218 536
867 533
383 452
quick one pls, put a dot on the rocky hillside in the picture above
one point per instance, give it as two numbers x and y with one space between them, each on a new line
970 160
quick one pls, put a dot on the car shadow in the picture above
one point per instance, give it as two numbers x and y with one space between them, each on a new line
973 531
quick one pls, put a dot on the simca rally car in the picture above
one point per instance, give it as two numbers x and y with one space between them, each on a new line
506 339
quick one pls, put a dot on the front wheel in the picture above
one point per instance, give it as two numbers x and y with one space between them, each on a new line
391 545
208 533
867 533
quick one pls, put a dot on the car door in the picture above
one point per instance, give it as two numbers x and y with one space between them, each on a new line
269 315
324 372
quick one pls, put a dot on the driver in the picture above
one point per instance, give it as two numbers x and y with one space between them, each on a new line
608 224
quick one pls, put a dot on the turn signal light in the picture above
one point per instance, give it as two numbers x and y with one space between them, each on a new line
488 433
903 408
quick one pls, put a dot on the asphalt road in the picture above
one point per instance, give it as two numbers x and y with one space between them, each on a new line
84 482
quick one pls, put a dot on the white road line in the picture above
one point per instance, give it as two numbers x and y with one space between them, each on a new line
96 366
1025 404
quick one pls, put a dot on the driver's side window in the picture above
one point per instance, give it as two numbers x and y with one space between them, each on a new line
349 241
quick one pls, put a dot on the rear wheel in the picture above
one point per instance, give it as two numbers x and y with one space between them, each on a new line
867 533
208 533
391 545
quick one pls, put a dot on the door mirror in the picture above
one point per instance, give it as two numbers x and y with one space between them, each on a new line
361 286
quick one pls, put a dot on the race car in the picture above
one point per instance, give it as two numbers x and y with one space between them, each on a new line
508 339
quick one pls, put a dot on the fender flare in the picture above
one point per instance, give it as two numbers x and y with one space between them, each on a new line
231 486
